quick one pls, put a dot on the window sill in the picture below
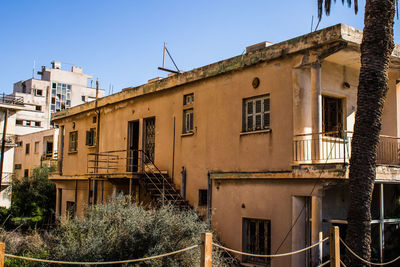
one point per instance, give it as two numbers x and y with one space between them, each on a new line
94 146
256 132
187 134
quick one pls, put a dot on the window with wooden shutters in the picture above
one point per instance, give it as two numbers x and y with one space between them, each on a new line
73 141
256 239
256 113
91 137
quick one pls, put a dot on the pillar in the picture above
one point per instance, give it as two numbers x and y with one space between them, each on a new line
316 109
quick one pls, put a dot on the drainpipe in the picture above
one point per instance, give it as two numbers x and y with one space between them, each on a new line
316 109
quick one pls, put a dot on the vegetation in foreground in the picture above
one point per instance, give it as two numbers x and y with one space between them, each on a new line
117 230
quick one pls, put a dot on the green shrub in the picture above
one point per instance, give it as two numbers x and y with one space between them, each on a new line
120 230
33 198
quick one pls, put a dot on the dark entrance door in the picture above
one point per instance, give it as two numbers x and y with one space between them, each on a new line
149 138
132 157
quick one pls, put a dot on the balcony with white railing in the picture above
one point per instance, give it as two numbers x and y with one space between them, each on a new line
335 147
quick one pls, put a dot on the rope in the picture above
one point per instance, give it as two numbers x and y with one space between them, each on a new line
341 262
325 263
365 261
269 256
100 263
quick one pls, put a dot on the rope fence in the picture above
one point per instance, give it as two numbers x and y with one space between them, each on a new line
206 248
101 263
270 256
365 261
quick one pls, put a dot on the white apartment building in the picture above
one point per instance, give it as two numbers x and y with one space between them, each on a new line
57 89
9 106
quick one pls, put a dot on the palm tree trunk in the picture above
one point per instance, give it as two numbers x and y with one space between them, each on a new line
376 48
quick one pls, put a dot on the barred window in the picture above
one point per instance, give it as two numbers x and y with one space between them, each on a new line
256 113
73 141
256 239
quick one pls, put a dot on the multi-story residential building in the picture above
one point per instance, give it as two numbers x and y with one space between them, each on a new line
259 144
9 106
57 90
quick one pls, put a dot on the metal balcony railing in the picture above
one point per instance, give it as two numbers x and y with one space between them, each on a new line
49 156
11 99
335 147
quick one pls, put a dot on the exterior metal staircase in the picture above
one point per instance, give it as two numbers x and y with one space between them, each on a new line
136 162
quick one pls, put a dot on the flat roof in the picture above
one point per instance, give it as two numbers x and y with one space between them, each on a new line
337 33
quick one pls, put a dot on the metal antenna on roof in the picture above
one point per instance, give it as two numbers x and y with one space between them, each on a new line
163 63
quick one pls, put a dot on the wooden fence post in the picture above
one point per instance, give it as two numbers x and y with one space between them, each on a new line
334 246
206 250
2 251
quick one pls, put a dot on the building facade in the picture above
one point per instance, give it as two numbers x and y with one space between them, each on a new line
9 106
57 89
258 144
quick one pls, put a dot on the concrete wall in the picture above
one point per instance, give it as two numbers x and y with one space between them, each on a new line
33 159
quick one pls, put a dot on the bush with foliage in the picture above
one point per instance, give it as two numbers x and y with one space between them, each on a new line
118 230
33 198
121 230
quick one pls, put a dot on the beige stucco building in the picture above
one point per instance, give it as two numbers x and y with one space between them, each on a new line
258 144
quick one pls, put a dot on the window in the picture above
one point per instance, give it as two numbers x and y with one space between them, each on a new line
188 99
91 137
60 97
36 147
38 108
19 143
27 123
27 148
19 122
73 141
37 123
256 239
203 197
256 113
332 117
188 121
18 166
39 92
94 119
83 98
26 173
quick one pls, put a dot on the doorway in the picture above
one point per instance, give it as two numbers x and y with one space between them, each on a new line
149 139
132 157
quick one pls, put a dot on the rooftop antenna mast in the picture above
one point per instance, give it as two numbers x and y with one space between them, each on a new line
33 72
163 63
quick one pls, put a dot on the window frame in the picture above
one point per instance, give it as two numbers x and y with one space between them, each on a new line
328 128
203 199
188 121
254 114
91 137
27 148
73 144
36 147
261 245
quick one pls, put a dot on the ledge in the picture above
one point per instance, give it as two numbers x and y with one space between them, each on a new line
256 132
187 134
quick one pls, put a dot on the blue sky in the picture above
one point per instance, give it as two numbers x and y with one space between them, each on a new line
121 41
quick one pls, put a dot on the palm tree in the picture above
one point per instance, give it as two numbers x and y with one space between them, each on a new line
376 48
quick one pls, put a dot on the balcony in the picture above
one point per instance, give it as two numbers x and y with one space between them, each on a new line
11 99
335 147
10 140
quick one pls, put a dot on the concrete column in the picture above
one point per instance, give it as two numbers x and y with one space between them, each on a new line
316 109
316 218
